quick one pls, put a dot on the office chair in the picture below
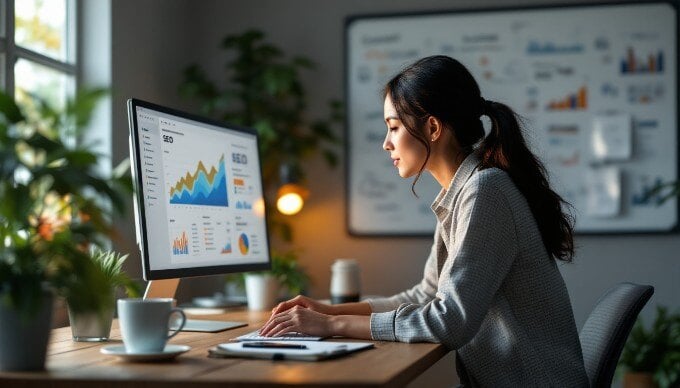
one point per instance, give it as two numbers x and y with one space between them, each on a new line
607 327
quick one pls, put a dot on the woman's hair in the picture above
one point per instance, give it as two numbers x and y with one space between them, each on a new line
442 87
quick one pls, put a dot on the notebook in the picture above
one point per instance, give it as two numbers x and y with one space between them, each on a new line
309 351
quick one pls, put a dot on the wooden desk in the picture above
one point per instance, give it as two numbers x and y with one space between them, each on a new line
80 364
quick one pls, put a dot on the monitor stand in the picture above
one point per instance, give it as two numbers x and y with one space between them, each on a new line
166 288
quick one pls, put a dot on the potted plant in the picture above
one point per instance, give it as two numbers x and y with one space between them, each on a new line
54 204
651 357
264 288
92 323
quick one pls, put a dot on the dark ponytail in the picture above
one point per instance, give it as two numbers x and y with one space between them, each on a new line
442 87
505 148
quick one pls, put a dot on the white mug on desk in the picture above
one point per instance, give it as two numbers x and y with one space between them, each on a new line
144 323
345 281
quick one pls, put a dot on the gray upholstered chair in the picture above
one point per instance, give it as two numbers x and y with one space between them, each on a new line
607 328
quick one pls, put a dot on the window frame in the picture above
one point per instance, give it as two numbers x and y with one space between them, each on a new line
10 52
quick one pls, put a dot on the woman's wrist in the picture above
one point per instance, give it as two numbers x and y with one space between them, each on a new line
351 326
336 325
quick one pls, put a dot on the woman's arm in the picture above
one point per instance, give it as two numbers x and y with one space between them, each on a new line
358 308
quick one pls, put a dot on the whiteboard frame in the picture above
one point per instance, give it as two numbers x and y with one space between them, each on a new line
384 229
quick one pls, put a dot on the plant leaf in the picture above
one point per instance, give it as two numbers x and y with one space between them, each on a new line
9 109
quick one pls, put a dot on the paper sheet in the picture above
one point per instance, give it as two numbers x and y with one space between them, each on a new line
603 192
612 137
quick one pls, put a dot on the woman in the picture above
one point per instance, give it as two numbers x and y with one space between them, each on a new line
491 288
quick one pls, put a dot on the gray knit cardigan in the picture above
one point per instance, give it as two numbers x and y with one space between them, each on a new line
490 291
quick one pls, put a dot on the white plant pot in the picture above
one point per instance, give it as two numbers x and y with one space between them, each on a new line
262 291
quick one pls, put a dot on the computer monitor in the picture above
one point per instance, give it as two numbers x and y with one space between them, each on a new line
199 202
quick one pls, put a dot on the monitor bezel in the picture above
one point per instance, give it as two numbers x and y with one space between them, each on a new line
140 215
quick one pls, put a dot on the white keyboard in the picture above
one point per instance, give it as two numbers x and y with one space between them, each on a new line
255 336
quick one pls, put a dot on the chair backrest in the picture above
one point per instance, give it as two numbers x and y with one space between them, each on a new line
607 328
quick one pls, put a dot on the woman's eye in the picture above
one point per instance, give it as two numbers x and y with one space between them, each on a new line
393 128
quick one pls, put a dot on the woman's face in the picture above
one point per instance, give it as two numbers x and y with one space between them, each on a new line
406 152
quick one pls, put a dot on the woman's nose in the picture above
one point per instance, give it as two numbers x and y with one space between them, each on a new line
387 145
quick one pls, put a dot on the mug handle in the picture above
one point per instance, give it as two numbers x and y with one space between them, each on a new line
181 325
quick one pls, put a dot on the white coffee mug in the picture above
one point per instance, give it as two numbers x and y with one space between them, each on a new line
345 281
144 323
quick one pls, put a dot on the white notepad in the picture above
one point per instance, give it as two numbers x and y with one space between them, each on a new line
313 351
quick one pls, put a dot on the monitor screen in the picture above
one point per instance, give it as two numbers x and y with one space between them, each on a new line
199 194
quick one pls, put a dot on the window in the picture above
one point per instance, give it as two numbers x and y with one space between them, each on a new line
38 50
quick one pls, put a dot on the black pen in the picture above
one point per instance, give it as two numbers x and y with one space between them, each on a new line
273 345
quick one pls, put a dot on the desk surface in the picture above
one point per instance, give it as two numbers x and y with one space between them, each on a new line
80 364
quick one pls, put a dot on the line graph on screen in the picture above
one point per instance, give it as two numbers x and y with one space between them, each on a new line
203 186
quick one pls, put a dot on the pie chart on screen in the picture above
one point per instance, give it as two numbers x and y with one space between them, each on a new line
243 244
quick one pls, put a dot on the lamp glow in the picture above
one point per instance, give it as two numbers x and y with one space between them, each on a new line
290 199
289 204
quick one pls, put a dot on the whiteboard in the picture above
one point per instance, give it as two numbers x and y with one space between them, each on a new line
596 86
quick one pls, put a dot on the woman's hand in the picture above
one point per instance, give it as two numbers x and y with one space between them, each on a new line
304 315
287 314
305 302
299 319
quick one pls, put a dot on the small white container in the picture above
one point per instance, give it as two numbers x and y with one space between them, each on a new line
345 281
261 290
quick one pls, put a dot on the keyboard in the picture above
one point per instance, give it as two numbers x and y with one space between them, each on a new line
255 336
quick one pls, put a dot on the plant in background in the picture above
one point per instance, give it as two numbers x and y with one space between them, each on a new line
264 92
285 268
54 205
656 350
288 271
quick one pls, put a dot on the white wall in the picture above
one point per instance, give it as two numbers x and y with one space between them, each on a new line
154 39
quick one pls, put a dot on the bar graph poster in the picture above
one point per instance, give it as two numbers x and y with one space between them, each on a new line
595 85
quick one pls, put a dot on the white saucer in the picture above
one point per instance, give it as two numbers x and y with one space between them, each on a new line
170 351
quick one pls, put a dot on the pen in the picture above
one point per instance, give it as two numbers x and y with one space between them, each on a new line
273 345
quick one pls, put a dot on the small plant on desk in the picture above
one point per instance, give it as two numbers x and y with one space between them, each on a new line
92 322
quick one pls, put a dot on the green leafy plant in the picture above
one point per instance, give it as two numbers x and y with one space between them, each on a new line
54 204
285 267
655 350
289 272
110 264
264 91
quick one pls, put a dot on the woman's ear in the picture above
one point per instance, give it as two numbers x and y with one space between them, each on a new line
434 128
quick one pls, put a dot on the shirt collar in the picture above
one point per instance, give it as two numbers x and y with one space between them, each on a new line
446 197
